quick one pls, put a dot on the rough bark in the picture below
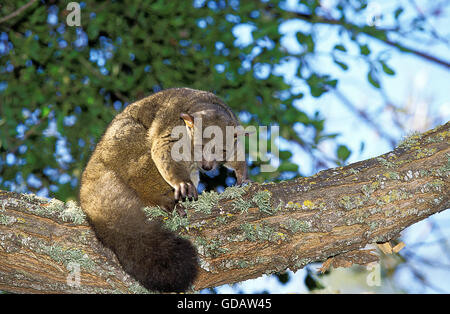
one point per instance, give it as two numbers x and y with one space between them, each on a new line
242 233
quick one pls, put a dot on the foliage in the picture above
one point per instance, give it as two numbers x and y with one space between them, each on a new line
61 85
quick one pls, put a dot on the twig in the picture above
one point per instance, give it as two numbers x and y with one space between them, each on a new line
17 12
314 19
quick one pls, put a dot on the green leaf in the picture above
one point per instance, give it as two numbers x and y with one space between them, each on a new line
341 64
373 78
45 111
343 152
306 40
398 12
364 49
386 68
288 166
340 47
320 84
285 154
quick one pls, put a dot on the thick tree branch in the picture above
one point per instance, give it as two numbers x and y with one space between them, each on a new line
244 232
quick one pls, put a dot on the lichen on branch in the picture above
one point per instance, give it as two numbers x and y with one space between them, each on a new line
243 232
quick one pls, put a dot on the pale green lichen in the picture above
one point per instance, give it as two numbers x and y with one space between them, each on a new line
295 225
386 163
395 195
7 220
410 140
446 168
172 221
49 208
232 192
210 199
241 205
33 197
425 152
55 205
155 212
280 206
346 203
206 201
262 199
72 212
367 190
302 262
138 289
438 138
260 233
221 220
212 248
68 255
204 265
349 203
373 224
435 185
249 232
242 263
67 212
392 175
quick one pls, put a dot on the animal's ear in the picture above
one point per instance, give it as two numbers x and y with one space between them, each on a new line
188 119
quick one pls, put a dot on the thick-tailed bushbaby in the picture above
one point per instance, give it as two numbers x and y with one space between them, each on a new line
133 167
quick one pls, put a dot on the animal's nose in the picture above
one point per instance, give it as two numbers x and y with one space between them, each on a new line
207 167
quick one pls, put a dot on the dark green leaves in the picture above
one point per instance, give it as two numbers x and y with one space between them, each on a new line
386 68
306 40
364 49
340 47
372 77
320 84
343 153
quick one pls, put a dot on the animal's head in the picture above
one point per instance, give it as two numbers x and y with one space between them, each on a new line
215 137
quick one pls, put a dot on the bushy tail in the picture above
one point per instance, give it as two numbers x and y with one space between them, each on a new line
156 257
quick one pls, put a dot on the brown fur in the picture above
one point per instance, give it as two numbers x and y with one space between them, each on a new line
131 168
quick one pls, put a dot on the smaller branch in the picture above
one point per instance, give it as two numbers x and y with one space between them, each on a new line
433 30
314 19
416 52
17 12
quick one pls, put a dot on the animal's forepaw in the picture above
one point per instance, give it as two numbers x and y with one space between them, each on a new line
185 190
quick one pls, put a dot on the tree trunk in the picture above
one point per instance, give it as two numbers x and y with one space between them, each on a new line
46 246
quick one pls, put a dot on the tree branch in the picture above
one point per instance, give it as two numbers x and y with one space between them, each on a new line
242 233
17 12
373 32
